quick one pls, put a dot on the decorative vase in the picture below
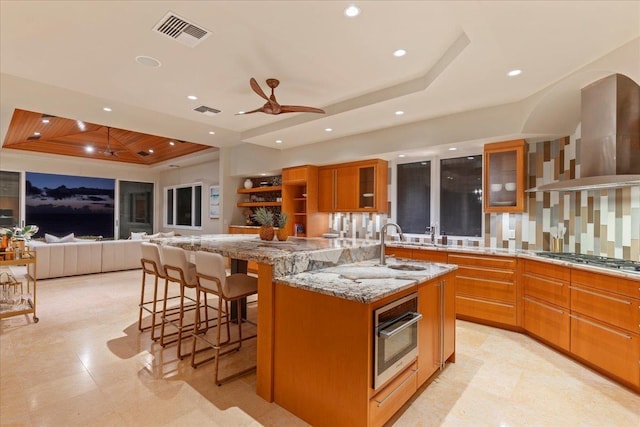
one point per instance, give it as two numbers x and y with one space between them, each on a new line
282 234
266 232
248 183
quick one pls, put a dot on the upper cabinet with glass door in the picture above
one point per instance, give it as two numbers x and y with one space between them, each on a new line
505 172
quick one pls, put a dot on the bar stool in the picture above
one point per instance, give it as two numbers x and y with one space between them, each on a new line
151 265
177 269
213 279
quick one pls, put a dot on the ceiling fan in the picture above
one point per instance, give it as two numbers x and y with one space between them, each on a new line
272 106
109 152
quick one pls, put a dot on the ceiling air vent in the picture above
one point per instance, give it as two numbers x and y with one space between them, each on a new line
207 111
33 138
181 30
143 153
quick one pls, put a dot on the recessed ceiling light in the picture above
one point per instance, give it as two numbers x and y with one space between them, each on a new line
400 52
240 112
211 132
107 109
423 163
352 11
278 141
470 157
402 155
172 143
452 149
45 121
89 149
514 73
148 61
328 129
36 133
192 97
151 150
399 113
263 174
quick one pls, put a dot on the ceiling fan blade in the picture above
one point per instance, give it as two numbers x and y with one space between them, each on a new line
300 109
257 110
257 89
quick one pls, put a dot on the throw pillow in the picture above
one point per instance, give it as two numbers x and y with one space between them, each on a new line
138 236
50 238
168 234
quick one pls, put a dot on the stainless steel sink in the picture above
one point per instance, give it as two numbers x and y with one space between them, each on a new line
406 267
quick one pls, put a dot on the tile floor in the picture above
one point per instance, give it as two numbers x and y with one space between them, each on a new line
85 364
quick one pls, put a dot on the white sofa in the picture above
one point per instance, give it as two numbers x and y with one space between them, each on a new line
85 257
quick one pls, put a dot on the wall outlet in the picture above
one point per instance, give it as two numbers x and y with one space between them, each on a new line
511 234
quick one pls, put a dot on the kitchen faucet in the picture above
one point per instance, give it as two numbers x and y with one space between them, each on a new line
382 231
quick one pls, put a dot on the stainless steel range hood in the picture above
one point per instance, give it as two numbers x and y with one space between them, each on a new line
610 147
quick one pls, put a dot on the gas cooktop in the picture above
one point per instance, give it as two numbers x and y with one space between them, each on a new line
595 260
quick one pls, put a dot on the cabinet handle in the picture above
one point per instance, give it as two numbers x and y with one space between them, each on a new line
604 328
381 402
442 317
551 282
600 295
532 301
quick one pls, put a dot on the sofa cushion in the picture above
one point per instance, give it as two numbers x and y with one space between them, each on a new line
66 259
121 255
84 257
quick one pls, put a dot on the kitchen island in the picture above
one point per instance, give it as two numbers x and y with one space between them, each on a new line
315 326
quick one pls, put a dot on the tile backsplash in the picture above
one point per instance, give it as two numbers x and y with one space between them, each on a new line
597 222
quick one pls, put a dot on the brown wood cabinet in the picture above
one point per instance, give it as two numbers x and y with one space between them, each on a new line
546 302
486 288
505 172
323 359
353 187
300 201
436 342
605 323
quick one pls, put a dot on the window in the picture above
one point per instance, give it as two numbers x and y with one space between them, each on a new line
414 201
461 196
184 206
447 193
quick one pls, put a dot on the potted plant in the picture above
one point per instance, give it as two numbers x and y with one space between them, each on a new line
265 218
281 223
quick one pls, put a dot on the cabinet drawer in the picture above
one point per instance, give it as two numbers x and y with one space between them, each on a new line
429 255
611 349
483 261
486 288
606 282
493 311
391 398
614 309
548 322
554 291
398 252
541 268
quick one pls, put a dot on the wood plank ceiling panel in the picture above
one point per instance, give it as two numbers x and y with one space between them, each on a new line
71 137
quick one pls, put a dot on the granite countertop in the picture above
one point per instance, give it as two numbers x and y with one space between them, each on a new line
365 281
292 256
519 253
